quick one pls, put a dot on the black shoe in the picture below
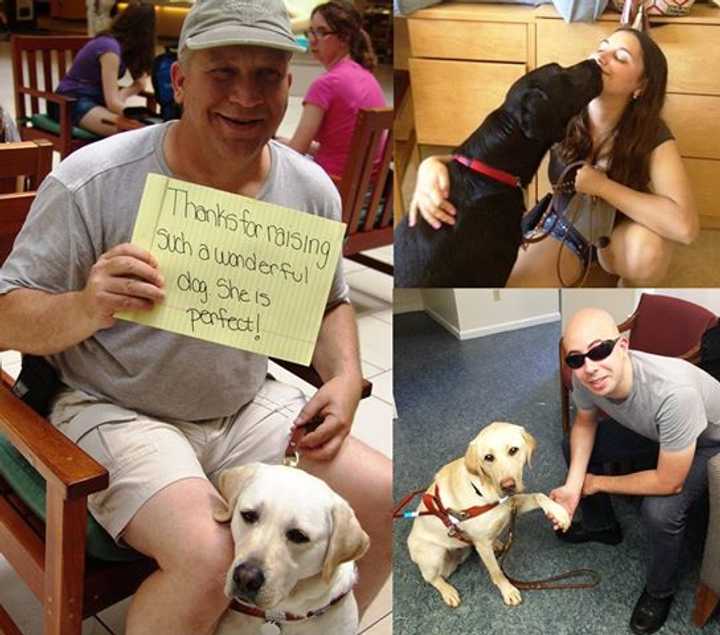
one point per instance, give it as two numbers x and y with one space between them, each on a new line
649 614
577 534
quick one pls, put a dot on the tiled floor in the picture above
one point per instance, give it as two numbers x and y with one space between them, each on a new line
371 293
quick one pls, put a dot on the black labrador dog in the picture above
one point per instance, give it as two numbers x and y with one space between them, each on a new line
481 248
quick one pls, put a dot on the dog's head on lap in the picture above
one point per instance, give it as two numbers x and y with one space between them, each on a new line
288 527
498 455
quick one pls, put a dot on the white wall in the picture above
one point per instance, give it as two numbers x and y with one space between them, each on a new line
709 298
620 303
471 313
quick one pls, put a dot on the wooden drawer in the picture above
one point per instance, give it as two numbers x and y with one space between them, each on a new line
705 181
692 50
693 53
695 123
452 98
455 39
568 44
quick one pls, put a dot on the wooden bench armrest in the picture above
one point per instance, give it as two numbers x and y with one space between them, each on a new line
43 94
60 462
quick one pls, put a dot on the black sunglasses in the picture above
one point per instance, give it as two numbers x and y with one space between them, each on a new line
596 353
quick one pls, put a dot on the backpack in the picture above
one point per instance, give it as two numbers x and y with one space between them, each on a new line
162 85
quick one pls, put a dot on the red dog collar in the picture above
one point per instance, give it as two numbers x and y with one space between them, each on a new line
483 168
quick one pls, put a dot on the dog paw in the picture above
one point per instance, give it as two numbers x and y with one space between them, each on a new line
451 597
498 546
511 596
559 513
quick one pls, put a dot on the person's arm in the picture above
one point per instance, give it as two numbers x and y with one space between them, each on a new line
138 86
582 439
337 360
310 121
41 323
669 211
432 189
667 478
109 67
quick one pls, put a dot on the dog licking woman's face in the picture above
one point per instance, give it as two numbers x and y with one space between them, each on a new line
498 455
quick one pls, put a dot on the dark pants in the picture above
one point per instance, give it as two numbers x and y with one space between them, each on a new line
664 516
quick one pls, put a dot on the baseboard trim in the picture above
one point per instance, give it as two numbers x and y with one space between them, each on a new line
501 327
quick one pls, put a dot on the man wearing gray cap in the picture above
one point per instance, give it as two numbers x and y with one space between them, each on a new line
163 412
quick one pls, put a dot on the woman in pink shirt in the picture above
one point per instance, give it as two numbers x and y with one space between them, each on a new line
330 107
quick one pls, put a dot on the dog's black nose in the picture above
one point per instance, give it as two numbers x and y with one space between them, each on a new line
248 577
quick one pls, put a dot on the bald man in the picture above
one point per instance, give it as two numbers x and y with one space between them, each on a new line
668 412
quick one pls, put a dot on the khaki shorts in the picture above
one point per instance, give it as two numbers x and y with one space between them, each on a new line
143 455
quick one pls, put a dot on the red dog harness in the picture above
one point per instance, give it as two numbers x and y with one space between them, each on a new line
450 518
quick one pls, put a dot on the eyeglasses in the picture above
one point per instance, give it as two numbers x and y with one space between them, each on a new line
318 33
596 353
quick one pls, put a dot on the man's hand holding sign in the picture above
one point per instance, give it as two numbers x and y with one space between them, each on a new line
237 271
240 272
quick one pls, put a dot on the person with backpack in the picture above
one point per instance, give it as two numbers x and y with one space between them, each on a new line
129 45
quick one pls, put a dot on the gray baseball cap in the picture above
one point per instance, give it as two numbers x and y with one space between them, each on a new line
212 23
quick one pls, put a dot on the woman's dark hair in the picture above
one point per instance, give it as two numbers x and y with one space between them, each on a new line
636 132
134 29
343 18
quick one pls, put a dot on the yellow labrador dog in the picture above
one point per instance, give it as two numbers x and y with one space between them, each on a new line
296 541
488 480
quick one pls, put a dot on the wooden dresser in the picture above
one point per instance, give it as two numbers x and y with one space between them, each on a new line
464 57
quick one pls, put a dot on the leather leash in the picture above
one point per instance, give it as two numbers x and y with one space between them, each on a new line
292 454
546 583
451 519
561 187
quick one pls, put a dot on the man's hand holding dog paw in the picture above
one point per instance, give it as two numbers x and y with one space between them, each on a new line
557 515
336 401
568 498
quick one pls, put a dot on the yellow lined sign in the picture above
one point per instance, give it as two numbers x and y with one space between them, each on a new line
238 271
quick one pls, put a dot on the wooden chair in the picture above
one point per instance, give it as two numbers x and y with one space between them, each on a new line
26 164
366 190
39 63
661 325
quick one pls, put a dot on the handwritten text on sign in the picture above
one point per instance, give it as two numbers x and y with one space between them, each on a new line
238 271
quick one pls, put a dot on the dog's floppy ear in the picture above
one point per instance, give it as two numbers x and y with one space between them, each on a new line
472 460
231 483
537 115
530 445
347 542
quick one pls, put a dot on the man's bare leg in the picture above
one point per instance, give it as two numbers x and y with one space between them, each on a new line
185 595
363 477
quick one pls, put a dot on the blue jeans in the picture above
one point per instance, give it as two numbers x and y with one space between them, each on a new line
664 516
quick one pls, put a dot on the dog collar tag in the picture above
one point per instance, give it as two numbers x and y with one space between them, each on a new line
270 628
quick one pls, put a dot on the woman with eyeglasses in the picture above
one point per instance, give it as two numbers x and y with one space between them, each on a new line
633 200
330 107
660 413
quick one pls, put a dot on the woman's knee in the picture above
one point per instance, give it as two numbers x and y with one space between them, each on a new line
640 255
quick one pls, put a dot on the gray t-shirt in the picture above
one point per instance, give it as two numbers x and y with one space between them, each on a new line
87 205
671 401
